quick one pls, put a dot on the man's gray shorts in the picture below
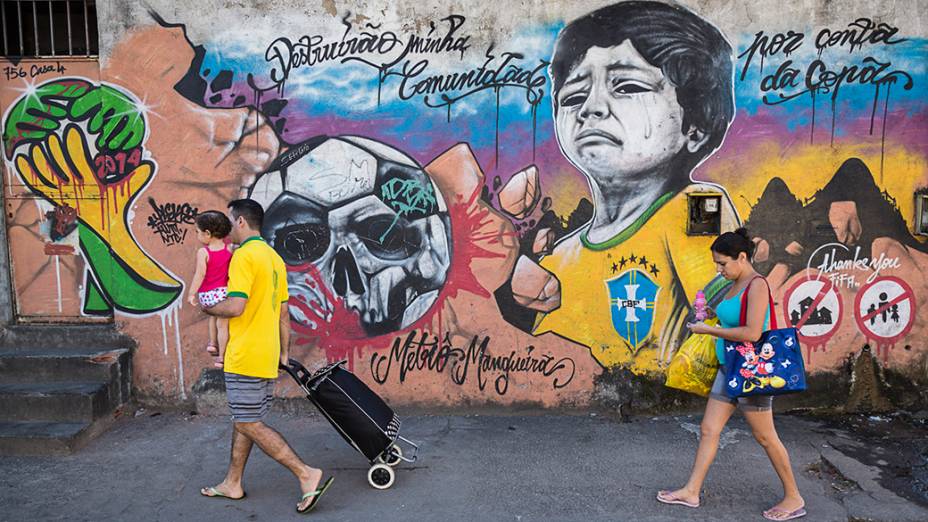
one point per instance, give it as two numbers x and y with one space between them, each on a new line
249 397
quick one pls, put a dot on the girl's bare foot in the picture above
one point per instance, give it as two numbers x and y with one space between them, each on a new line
787 509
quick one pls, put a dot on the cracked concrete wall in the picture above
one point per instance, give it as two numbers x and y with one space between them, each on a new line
474 247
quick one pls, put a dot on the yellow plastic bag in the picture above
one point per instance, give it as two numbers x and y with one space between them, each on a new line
694 366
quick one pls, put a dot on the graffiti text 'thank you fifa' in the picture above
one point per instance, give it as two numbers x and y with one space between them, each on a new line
789 80
424 351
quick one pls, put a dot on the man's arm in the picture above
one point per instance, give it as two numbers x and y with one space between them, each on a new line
284 334
231 307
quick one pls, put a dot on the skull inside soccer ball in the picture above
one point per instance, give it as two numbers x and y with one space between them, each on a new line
365 219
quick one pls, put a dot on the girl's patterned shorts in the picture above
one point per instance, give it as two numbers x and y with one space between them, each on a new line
212 297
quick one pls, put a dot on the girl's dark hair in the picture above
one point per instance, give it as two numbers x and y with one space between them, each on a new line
214 222
731 244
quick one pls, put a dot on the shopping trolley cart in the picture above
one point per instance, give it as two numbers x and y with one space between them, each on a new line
361 417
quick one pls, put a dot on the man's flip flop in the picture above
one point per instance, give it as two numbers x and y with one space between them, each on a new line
781 514
666 498
316 496
213 492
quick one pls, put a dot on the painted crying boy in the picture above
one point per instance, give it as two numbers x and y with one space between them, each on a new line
642 94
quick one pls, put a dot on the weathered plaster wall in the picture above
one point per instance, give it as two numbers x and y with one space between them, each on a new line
482 280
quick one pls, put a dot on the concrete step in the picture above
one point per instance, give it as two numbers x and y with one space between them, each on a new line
54 401
28 337
57 365
60 384
47 438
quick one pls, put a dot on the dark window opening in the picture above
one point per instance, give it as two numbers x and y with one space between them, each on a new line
705 214
45 28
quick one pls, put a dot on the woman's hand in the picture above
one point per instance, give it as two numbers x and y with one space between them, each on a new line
192 299
700 328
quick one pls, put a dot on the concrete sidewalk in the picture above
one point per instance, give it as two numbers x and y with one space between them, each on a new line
470 468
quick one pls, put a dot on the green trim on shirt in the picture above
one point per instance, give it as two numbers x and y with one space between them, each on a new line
252 238
624 235
243 295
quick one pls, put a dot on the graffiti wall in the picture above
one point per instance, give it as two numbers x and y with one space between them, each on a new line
481 209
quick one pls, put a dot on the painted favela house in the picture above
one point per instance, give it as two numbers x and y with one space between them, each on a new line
479 207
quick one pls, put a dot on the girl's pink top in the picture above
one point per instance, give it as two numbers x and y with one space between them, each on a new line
217 269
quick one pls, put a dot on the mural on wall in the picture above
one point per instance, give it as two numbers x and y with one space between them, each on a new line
171 220
368 220
642 93
80 146
503 218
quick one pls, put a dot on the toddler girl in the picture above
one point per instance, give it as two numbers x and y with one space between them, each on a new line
212 275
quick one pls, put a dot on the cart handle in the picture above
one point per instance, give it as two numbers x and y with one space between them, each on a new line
302 376
296 370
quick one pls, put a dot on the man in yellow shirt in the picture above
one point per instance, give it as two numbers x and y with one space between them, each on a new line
642 94
259 339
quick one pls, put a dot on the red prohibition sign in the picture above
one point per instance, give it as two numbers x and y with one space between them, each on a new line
907 294
827 286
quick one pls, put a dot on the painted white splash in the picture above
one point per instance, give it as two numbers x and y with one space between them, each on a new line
58 278
164 333
9 175
180 356
170 317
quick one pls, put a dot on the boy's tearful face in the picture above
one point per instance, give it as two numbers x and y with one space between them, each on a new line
618 117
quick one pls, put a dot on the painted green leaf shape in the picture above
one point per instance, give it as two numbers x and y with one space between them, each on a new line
36 116
94 301
114 118
120 285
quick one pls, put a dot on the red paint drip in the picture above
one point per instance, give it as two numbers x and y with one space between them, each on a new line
882 348
467 219
338 332
812 348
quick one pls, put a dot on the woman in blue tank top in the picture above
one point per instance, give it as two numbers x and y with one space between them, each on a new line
732 252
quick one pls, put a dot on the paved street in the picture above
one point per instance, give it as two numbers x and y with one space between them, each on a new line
151 466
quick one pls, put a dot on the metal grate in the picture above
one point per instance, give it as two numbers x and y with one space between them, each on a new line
43 28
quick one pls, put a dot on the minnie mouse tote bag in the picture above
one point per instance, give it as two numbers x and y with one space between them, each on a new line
770 366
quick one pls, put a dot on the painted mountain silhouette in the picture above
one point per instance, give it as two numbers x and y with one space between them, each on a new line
781 219
776 212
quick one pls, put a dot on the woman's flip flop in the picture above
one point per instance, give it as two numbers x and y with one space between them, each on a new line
781 514
316 496
667 498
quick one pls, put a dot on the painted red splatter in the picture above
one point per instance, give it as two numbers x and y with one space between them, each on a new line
342 337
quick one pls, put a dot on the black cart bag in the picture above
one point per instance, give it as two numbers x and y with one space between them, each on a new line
361 417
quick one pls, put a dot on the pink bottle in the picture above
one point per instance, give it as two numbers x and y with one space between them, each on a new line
700 306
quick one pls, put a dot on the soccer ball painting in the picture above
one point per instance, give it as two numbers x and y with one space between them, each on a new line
359 225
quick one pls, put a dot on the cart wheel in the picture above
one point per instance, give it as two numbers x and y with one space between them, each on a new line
380 476
393 456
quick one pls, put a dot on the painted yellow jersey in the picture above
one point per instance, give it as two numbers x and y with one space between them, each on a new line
627 298
258 274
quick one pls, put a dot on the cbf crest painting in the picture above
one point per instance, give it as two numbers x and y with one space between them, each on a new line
632 301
